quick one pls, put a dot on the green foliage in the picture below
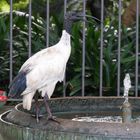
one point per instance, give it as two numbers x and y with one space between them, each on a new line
20 4
4 6
110 56
17 5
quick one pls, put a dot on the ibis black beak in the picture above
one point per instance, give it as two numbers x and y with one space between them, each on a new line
78 15
84 17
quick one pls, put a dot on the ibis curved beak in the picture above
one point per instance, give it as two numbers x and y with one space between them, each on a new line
84 16
78 15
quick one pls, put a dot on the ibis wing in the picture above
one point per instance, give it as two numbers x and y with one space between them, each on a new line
45 73
18 85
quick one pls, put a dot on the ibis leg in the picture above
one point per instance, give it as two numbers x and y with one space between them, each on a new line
50 117
37 109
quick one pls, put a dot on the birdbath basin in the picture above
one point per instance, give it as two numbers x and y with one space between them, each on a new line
81 118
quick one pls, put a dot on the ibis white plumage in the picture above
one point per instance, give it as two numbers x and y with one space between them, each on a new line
44 69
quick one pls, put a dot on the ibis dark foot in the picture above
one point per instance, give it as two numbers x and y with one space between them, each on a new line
50 116
37 110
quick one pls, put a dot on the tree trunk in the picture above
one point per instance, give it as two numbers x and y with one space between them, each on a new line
129 16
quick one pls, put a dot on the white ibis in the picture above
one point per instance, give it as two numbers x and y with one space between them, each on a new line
41 72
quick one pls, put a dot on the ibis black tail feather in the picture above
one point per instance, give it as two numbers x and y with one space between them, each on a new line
18 85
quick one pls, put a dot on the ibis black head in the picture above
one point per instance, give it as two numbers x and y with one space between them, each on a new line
74 16
70 18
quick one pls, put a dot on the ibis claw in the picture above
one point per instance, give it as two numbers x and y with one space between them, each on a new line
52 118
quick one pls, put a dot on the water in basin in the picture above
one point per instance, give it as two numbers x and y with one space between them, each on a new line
109 117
